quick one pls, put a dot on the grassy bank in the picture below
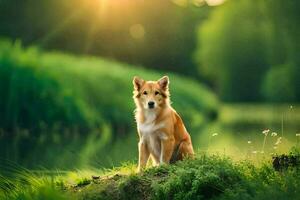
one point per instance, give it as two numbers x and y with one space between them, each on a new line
206 177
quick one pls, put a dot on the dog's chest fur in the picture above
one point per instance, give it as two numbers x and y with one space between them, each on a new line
150 126
150 132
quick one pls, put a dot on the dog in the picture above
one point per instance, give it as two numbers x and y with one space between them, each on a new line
162 134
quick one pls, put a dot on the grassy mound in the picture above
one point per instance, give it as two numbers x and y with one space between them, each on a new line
78 103
206 177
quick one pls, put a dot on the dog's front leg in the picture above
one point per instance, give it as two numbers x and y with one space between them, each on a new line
143 155
167 147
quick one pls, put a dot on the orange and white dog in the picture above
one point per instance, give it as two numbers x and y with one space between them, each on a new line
162 134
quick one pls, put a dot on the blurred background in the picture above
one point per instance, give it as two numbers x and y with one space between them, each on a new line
66 71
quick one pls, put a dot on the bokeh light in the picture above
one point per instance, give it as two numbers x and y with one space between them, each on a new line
214 2
137 31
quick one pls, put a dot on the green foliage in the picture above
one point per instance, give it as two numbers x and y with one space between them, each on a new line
83 182
284 16
51 101
282 82
278 88
232 49
206 177
248 50
17 183
135 187
32 97
41 193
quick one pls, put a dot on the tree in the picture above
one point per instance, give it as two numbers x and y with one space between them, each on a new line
282 82
232 51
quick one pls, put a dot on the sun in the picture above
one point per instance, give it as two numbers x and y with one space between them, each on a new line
100 5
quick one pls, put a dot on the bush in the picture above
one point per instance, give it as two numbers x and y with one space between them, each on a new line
204 178
277 87
232 50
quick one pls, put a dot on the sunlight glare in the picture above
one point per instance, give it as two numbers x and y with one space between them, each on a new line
199 3
214 2
137 31
182 3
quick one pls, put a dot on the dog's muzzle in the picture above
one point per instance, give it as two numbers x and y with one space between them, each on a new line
151 104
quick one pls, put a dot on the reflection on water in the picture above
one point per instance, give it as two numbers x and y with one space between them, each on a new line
241 131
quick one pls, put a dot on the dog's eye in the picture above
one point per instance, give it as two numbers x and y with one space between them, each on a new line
145 93
156 92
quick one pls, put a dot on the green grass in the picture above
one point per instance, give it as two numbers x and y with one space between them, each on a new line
205 177
83 105
19 183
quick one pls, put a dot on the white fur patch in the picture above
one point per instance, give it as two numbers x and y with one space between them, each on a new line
150 128
155 147
149 125
149 132
161 160
161 157
150 116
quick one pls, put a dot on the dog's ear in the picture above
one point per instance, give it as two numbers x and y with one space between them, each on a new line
138 83
164 82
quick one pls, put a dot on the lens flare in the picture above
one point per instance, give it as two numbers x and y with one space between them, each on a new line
137 31
214 2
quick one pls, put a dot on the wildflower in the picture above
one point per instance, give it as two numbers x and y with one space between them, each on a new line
249 142
297 134
273 134
278 141
266 131
214 134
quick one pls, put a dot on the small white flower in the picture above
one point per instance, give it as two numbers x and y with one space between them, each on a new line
214 134
266 131
278 141
273 134
275 147
297 134
249 142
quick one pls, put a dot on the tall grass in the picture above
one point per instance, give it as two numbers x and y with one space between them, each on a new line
204 177
19 183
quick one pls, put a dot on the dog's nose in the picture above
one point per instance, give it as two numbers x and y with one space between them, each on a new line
151 104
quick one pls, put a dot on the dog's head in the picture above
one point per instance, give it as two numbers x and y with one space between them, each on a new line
151 95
